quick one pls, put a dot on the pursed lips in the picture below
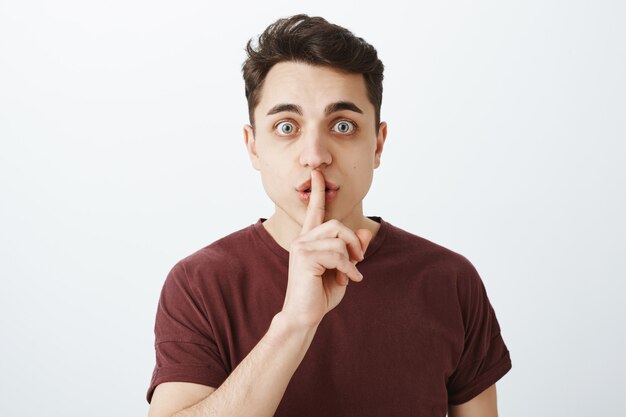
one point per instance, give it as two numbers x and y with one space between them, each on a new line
306 186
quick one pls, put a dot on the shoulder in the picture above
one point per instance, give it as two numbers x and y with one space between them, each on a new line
413 248
437 264
221 257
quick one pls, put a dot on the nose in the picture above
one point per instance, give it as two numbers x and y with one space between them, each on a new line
315 150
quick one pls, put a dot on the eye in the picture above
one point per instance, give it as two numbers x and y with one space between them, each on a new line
285 128
345 126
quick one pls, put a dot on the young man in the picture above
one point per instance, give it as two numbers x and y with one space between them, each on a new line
264 321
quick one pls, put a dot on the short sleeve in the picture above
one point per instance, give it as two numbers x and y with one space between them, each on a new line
184 344
485 358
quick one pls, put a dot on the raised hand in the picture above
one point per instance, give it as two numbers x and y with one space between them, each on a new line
321 261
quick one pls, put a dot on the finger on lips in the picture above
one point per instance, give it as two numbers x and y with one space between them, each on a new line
317 231
315 210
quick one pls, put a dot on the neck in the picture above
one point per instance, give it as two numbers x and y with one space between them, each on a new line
284 228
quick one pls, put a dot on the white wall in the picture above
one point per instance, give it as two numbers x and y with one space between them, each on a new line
121 152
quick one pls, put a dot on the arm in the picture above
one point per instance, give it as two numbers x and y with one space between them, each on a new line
320 267
170 397
483 405
258 384
255 387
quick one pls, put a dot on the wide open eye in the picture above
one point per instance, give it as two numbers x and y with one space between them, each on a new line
285 128
345 126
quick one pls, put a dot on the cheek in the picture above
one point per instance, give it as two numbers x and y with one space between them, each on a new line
273 176
362 171
365 161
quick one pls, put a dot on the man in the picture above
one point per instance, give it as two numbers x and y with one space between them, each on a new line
264 321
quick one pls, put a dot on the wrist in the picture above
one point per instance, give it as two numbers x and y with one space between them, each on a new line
285 328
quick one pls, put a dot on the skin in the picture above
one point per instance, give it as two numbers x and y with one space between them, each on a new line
319 269
325 241
316 141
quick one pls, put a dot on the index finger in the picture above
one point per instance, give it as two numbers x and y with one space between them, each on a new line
317 202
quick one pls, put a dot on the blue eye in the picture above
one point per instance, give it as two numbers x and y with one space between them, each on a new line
344 126
286 128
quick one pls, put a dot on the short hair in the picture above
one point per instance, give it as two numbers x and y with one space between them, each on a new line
315 41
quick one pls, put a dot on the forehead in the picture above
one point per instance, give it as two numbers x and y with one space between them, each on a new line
312 87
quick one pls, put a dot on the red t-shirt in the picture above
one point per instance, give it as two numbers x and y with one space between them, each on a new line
418 333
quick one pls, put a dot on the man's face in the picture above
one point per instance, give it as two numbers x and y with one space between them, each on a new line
341 141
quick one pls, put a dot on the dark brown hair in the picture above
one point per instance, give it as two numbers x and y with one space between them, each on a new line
315 41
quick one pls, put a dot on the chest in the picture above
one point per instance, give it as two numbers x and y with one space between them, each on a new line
386 349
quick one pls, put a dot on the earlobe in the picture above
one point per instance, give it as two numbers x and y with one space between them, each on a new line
250 141
380 142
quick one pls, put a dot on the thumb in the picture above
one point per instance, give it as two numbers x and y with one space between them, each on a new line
365 237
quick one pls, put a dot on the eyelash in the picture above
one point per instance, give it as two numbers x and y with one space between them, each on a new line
354 130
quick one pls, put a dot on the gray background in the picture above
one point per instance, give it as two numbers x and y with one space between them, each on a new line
122 152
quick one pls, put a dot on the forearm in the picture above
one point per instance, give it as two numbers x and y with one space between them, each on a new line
258 383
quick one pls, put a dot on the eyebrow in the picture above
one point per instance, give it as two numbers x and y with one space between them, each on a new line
331 108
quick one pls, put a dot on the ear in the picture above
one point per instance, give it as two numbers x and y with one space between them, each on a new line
380 142
248 137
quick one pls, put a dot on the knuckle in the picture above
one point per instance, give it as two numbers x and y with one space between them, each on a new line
337 257
335 223
297 246
339 245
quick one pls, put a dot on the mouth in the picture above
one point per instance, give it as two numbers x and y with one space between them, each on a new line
308 190
330 194
306 186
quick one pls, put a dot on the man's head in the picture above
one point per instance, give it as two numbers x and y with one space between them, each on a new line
311 114
314 41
